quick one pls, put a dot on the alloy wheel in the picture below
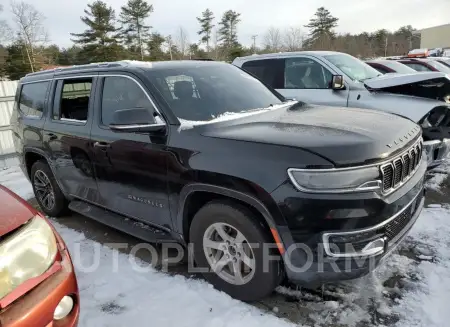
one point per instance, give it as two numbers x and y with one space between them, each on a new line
229 254
44 190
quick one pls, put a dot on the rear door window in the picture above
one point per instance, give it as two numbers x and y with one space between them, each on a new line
72 100
269 71
32 99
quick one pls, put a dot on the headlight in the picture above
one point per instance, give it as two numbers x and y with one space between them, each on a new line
335 180
26 253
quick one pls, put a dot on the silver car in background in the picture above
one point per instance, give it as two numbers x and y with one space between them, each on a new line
338 79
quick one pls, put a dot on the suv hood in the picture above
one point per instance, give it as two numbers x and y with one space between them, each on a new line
14 213
432 85
345 136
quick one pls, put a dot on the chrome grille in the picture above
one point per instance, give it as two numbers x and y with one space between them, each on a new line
401 168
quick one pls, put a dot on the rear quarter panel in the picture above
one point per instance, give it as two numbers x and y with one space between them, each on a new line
27 131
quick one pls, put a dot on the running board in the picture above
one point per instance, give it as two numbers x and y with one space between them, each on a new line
127 225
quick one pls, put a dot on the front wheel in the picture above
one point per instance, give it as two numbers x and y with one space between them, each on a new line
233 244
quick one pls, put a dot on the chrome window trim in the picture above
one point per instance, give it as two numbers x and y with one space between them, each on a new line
37 81
326 236
106 75
126 127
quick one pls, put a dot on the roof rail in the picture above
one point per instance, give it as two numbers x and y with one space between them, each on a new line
80 67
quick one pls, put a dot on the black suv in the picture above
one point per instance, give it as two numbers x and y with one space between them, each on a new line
203 153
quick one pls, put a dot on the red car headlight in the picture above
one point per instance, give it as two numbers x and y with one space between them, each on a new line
26 253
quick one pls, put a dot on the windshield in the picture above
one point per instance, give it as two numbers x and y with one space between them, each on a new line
353 67
441 67
399 67
205 92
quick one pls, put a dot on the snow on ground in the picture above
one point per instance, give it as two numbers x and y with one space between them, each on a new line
438 174
14 179
411 289
127 297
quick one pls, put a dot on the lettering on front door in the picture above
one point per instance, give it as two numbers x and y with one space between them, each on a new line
153 203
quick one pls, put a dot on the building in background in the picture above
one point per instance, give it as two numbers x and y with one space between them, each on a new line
435 37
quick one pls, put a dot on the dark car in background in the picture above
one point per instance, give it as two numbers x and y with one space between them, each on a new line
385 66
38 286
203 153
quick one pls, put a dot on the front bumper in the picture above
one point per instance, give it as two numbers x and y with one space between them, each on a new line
36 308
437 151
313 269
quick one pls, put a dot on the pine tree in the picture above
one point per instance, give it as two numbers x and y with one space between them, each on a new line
321 28
133 17
100 41
206 26
154 45
17 64
228 29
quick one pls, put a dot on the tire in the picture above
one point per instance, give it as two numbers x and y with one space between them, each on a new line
255 283
42 174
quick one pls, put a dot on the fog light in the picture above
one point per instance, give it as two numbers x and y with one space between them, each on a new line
63 309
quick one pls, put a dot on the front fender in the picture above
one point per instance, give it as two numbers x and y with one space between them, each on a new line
269 211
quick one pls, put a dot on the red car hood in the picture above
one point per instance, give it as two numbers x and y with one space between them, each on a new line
14 211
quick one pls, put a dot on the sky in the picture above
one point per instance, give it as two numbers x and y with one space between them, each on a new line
63 17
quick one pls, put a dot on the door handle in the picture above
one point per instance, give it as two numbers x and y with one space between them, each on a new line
102 145
52 136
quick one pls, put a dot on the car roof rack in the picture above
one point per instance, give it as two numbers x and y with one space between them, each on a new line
81 67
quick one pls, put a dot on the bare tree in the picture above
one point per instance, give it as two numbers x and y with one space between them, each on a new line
293 39
217 49
5 30
182 41
272 39
30 29
170 46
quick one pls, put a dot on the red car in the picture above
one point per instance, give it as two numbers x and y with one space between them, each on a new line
38 287
425 65
390 66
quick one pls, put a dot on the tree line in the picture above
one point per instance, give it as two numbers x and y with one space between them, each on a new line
128 34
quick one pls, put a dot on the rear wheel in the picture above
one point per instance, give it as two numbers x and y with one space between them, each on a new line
46 190
229 240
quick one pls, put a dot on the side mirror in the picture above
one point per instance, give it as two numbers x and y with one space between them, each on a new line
135 120
337 83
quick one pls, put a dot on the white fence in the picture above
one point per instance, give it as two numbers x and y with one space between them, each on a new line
7 92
